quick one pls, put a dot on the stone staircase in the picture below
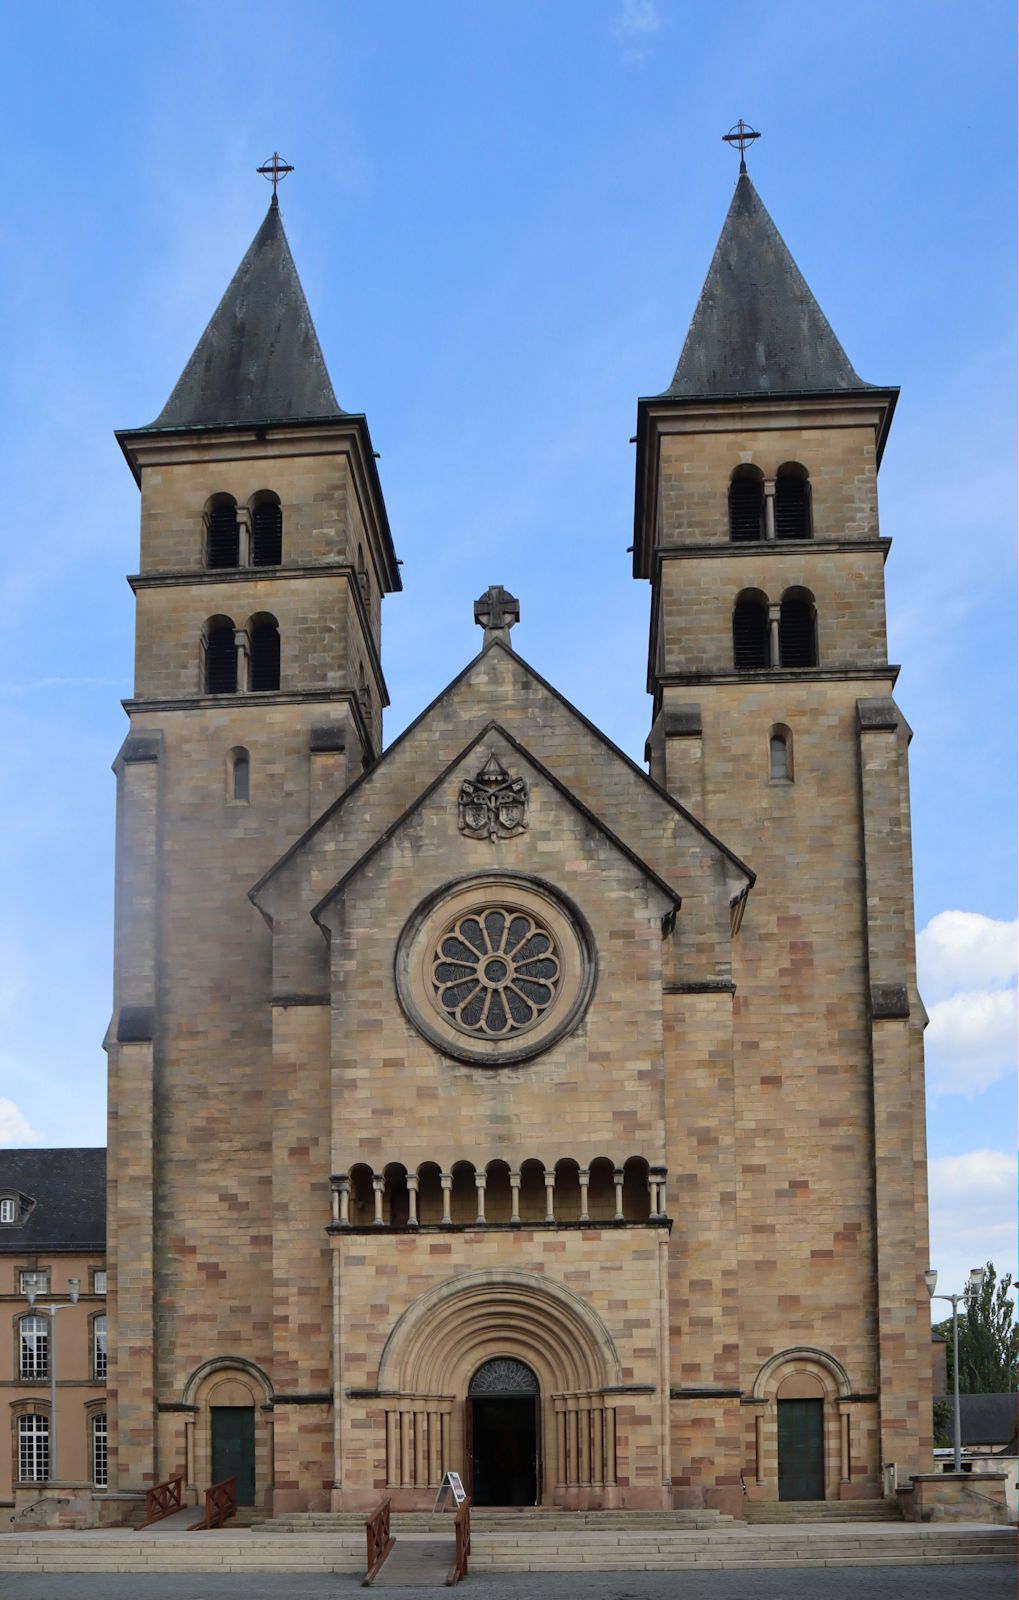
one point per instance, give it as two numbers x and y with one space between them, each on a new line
799 1511
515 1542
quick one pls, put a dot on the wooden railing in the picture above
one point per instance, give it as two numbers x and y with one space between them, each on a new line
462 1534
380 1540
220 1503
163 1500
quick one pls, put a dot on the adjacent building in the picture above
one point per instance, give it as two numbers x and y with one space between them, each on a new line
487 1102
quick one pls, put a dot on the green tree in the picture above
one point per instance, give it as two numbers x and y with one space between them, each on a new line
988 1338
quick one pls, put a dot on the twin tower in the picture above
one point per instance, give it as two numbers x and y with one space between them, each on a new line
703 1036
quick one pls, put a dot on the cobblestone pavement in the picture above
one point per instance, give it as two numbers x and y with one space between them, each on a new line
990 1582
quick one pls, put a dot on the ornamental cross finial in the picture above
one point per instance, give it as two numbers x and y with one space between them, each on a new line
273 171
741 133
496 612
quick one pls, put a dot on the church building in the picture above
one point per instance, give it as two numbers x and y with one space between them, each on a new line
486 1102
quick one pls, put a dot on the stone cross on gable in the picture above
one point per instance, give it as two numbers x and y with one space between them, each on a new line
496 612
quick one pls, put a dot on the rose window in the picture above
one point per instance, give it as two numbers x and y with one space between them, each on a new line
496 971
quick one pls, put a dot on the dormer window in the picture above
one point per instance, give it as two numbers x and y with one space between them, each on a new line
8 1209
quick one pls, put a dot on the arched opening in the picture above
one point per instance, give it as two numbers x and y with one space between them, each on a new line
636 1192
464 1196
230 1397
567 1191
266 530
498 1196
532 1192
799 1403
601 1190
797 629
219 652
429 1193
792 502
503 1433
362 1196
803 1443
746 505
239 775
396 1206
222 532
750 643
264 663
780 754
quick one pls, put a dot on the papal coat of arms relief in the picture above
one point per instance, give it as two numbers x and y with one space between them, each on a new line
492 805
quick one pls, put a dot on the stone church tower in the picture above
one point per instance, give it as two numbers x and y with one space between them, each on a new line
484 1103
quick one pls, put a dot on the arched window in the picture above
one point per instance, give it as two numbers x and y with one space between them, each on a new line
463 1200
222 532
780 754
34 1347
797 629
220 666
266 530
498 1197
99 1439
746 505
429 1193
567 1190
99 1347
396 1208
239 776
792 502
532 1192
362 1196
636 1193
264 661
601 1193
33 1447
750 634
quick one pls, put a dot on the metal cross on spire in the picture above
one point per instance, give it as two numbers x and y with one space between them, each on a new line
273 171
741 133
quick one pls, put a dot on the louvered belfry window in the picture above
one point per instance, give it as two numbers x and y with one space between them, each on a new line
746 509
792 507
223 538
796 634
750 635
221 660
267 534
264 672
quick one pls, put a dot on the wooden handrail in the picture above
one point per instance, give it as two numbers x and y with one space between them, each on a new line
163 1500
380 1540
462 1535
220 1503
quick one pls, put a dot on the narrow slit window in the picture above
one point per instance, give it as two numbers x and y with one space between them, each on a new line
240 777
780 756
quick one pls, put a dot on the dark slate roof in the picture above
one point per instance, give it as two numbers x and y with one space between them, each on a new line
259 360
757 329
69 1191
987 1418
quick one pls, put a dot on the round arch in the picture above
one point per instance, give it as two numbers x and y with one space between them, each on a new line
802 1359
450 1330
226 1364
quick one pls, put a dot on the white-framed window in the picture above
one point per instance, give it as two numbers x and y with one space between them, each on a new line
33 1448
100 1473
39 1281
99 1347
99 1281
8 1209
34 1347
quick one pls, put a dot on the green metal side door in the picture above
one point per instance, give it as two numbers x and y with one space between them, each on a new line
233 1449
801 1449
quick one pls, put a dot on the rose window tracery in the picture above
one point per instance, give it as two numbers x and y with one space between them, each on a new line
496 971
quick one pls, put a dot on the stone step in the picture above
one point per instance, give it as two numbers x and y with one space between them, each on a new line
765 1511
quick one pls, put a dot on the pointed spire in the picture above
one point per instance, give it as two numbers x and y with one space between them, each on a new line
259 359
757 329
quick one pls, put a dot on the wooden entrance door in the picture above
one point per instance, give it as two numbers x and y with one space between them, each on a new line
801 1449
233 1449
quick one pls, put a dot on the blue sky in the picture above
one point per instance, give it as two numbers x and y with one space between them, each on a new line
502 214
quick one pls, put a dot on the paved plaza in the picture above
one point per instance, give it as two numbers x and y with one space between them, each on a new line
990 1582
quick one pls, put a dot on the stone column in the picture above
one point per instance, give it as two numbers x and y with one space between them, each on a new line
379 1187
617 1178
769 508
774 642
341 1202
412 1199
446 1181
515 1199
585 1179
549 1194
480 1181
241 646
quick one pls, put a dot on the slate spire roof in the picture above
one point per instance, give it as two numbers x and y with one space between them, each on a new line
757 328
259 359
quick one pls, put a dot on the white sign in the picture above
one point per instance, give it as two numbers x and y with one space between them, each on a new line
451 1488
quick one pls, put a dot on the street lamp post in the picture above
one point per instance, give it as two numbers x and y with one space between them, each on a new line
976 1279
74 1286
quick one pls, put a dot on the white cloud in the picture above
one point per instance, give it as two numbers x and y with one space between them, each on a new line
14 1128
970 1042
640 16
972 1210
961 950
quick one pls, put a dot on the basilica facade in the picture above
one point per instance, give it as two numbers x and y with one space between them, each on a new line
486 1102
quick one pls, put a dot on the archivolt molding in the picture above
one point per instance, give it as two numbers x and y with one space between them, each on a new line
801 1358
226 1365
448 1332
